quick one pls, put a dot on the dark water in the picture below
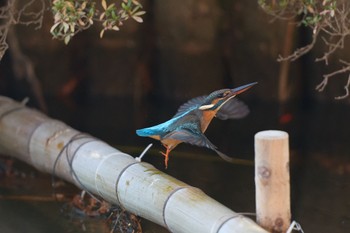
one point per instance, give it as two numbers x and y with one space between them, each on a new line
320 162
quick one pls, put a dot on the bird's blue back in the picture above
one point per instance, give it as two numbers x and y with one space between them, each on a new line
184 120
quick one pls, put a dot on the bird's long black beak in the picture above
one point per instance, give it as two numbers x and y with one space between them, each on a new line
239 90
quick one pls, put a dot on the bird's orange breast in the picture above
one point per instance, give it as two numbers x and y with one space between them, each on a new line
206 119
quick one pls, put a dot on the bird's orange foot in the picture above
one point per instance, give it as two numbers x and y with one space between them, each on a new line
166 155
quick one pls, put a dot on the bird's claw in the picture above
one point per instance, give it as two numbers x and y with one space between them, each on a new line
166 155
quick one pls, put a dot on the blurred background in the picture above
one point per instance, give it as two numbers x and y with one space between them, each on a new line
140 75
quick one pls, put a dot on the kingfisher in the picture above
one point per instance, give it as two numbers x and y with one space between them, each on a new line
193 118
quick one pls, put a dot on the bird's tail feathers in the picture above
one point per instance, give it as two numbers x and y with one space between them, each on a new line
234 160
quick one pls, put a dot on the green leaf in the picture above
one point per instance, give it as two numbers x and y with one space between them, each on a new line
129 3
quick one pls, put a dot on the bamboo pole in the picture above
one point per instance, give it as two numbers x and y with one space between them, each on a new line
272 180
53 147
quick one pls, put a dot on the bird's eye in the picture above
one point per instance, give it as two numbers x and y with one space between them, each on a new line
222 95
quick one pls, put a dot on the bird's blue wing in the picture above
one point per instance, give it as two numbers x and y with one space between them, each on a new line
192 103
233 109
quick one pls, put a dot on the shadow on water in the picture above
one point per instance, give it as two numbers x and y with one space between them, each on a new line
320 164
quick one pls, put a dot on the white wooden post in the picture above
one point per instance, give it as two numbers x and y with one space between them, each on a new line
272 180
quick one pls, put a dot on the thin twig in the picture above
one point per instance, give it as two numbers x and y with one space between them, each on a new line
301 51
332 48
320 87
346 87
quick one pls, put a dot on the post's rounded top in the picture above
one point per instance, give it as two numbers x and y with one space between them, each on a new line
271 134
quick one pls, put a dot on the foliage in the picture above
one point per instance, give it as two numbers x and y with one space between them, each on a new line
72 16
328 20
312 11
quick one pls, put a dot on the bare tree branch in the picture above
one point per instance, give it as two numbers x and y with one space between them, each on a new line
300 51
320 87
13 13
337 30
35 18
5 16
332 47
329 19
346 87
